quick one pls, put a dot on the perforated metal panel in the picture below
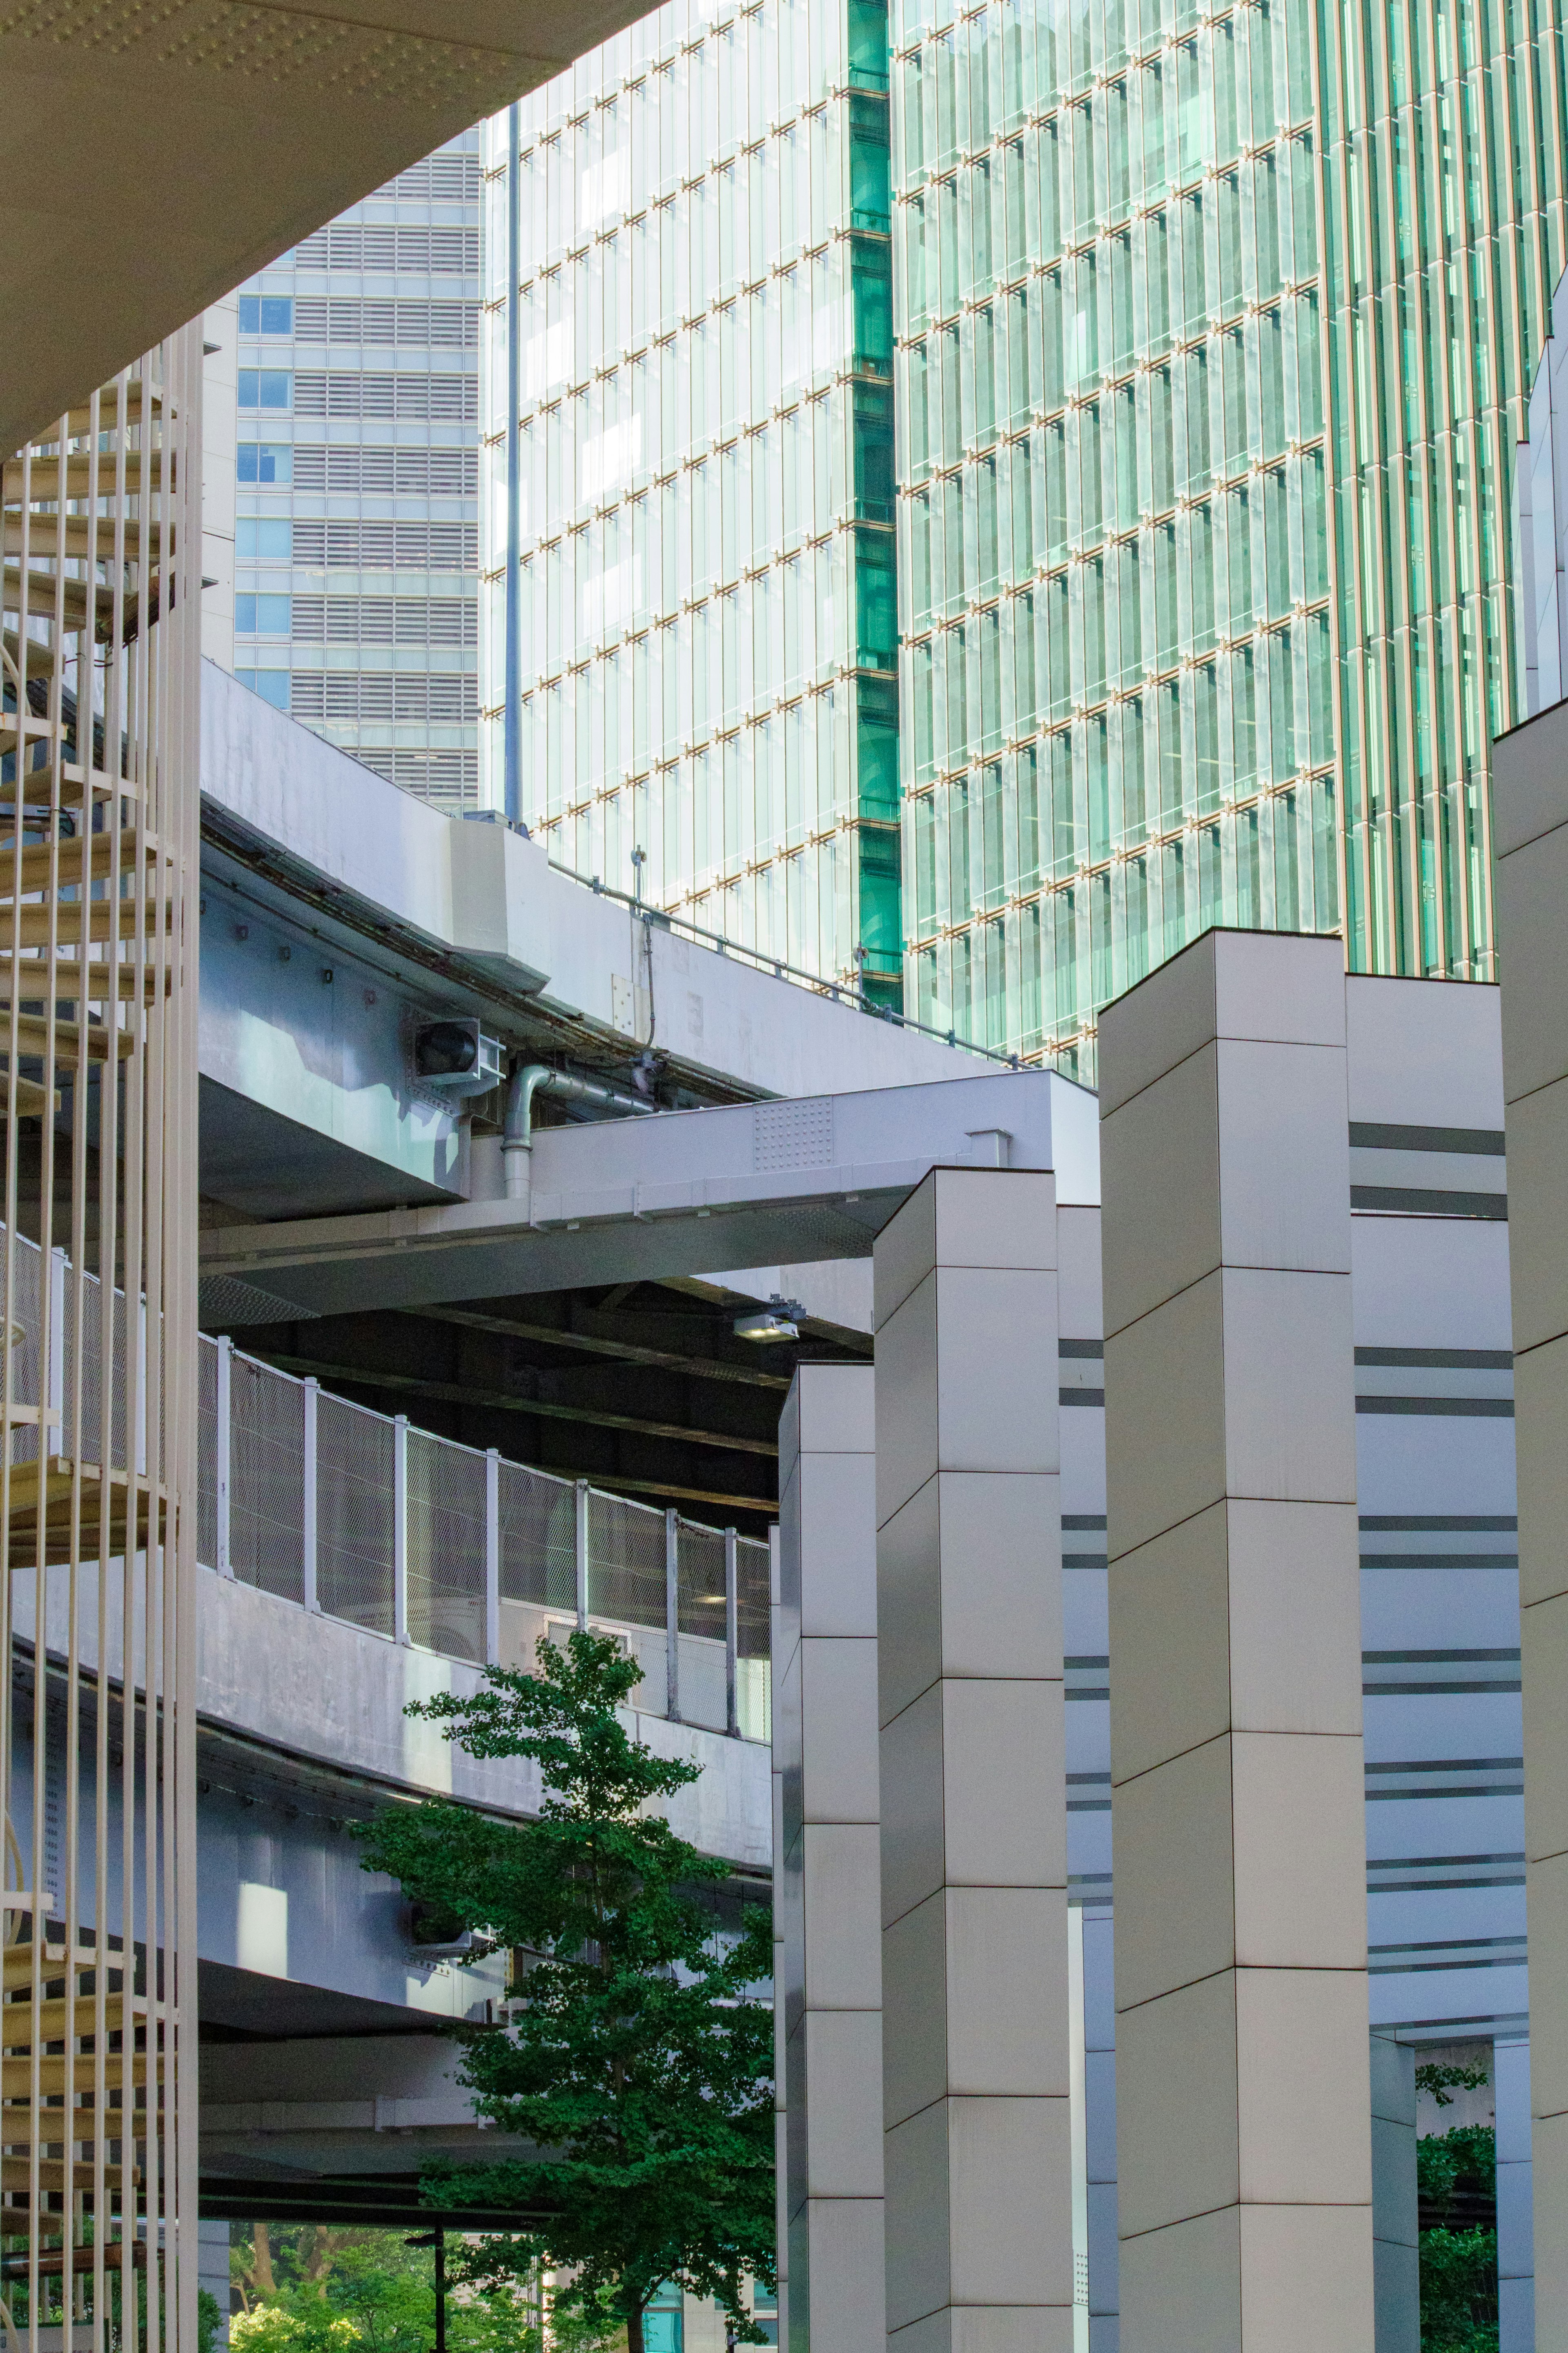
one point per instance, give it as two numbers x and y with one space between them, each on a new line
538 1538
700 1605
701 1581
207 1451
266 1479
354 1514
752 1597
23 1343
625 1562
753 1666
446 1546
92 1388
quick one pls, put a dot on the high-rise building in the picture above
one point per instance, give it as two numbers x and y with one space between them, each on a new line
689 648
356 529
1215 331
1541 527
1214 337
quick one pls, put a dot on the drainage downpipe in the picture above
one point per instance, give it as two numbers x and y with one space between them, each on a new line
531 1079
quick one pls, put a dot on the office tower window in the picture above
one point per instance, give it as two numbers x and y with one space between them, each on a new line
358 522
271 685
265 388
1204 488
265 461
1193 382
265 314
689 520
258 540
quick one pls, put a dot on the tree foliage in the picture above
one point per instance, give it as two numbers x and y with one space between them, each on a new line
1442 2080
1456 2171
313 2288
638 2060
1459 2292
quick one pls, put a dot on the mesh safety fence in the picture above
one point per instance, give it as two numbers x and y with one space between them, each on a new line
266 1479
446 1546
356 1514
539 1521
538 1538
206 1448
625 1562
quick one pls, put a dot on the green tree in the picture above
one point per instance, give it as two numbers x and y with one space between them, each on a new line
356 2290
1442 2081
1459 2292
639 2061
1455 2176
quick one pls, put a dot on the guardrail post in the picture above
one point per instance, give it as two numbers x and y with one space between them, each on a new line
493 1557
731 1634
672 1616
400 1527
582 1554
307 1512
224 1564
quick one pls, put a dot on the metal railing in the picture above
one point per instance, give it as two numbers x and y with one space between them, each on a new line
842 992
412 1538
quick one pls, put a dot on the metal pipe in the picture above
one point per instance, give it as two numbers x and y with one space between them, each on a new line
531 1079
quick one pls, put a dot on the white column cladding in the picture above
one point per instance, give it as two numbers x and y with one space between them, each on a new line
1515 2222
975 1937
780 2105
826 1886
1396 2236
1531 841
1243 2119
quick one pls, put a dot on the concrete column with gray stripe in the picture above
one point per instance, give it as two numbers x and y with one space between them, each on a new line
1243 2099
829 1988
974 1847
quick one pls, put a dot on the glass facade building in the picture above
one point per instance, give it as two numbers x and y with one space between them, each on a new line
1214 337
1211 338
356 529
691 632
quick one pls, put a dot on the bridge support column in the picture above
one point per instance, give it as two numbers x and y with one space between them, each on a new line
975 1938
830 1988
1243 2124
1396 2235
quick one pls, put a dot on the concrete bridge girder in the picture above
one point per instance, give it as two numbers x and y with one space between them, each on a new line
687 1193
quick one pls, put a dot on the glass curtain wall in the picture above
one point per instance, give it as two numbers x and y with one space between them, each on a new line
1213 333
689 536
356 547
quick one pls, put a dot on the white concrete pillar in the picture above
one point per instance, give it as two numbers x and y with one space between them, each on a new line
781 2007
1396 2235
1243 2125
212 2272
1515 2226
831 1983
975 1937
1531 841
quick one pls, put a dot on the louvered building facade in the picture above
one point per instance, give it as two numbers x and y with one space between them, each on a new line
690 648
356 531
